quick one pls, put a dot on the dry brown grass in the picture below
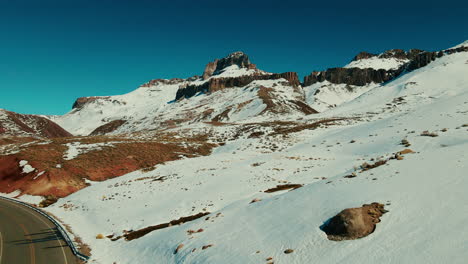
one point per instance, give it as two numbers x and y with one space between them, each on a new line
124 156
283 187
279 130
139 233
16 140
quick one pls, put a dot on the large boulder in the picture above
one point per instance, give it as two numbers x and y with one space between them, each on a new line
354 223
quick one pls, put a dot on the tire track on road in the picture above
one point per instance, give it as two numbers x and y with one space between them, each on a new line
32 250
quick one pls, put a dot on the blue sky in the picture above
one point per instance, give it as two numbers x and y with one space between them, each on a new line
53 51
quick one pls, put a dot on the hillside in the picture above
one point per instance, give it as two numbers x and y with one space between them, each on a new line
239 165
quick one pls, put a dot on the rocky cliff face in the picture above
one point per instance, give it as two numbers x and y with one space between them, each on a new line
237 58
216 84
360 77
393 53
351 76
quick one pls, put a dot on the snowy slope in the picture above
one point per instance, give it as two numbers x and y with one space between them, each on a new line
136 105
322 96
425 192
153 107
377 63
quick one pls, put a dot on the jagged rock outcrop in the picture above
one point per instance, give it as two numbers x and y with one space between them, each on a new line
364 55
393 53
209 69
422 60
236 58
351 76
216 84
162 81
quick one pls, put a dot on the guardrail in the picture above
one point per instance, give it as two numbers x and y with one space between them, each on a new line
62 231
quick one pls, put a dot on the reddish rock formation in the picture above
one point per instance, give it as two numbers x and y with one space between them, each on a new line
354 223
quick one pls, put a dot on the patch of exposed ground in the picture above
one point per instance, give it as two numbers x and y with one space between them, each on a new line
56 177
139 233
283 187
108 128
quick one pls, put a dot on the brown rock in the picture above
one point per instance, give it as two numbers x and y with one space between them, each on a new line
354 223
207 246
364 55
179 247
209 69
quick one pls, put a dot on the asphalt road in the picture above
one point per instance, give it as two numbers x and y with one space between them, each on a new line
27 237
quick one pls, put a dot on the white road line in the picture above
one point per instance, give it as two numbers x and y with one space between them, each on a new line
58 239
1 247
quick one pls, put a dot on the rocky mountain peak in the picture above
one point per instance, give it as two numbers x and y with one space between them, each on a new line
238 58
363 55
393 53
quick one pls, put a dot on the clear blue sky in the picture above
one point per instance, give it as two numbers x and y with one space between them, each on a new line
53 51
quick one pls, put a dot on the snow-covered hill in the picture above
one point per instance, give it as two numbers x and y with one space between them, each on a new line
401 142
14 124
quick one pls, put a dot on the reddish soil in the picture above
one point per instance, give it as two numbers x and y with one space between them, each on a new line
97 165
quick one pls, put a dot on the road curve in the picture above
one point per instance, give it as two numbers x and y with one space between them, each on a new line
27 237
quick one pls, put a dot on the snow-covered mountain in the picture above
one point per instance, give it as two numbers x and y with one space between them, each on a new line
231 89
245 166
